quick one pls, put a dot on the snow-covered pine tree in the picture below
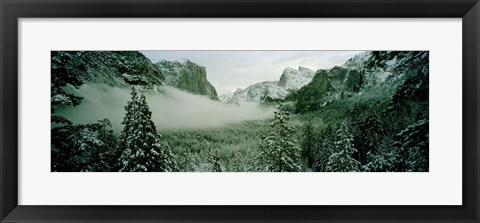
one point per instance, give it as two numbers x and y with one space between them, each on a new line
370 133
412 143
279 151
109 152
140 142
187 163
384 159
324 149
253 159
81 148
214 160
238 162
342 160
308 144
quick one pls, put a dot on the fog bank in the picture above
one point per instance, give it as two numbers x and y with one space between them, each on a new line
171 108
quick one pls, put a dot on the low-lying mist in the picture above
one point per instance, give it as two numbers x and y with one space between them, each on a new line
171 108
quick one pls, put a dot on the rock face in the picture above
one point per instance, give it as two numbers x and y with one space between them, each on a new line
290 80
116 68
126 68
363 70
337 78
257 92
369 69
188 76
293 79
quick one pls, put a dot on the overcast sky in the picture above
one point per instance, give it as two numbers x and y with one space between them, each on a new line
229 70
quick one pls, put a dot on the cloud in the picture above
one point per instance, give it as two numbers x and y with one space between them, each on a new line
171 108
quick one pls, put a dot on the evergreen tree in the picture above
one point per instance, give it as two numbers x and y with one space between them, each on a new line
308 144
254 160
412 143
140 142
342 160
370 133
410 102
238 163
65 69
384 159
187 160
279 151
214 159
82 148
109 153
324 149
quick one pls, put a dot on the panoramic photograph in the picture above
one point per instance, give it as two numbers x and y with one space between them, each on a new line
239 111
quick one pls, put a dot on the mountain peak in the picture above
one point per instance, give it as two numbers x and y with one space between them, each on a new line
182 60
295 79
291 79
290 70
303 69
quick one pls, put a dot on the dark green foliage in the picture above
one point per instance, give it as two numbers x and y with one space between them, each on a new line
368 136
410 101
324 149
80 148
307 99
65 69
308 144
110 153
385 158
60 119
279 152
412 143
140 143
337 80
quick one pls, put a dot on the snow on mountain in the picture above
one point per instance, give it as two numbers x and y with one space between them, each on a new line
358 61
255 92
115 68
377 66
293 79
224 95
290 80
363 70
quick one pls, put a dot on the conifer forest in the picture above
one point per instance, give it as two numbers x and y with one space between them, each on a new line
239 111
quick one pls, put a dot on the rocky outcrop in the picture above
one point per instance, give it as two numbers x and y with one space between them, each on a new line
116 68
188 76
337 78
293 79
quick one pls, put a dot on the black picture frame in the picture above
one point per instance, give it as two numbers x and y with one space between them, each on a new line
12 10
